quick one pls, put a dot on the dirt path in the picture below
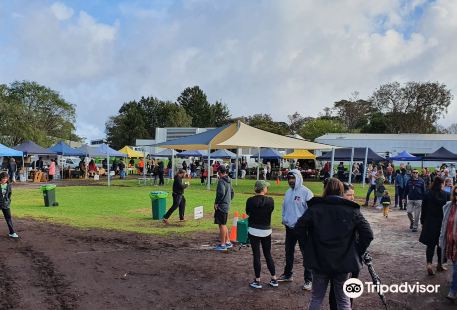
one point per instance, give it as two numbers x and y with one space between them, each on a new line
57 267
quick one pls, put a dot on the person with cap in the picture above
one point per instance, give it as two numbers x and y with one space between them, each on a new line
414 191
259 209
224 196
294 206
178 197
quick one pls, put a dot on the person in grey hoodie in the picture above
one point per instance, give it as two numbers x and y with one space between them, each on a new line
224 196
294 206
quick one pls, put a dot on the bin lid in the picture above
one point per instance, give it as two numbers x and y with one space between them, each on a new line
158 194
47 187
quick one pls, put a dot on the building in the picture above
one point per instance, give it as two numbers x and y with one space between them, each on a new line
392 144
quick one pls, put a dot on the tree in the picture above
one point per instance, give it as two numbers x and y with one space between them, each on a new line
452 129
377 123
220 114
265 122
194 101
414 107
31 111
354 113
296 121
315 128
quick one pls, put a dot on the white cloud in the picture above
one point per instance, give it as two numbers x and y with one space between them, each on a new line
273 57
61 11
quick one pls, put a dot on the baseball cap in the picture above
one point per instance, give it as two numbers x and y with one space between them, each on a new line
261 184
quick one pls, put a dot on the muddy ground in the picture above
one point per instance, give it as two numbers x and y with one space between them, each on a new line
57 267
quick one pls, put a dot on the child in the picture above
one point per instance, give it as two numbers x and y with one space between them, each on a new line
385 202
448 185
5 202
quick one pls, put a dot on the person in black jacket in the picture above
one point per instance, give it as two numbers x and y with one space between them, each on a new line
178 197
259 209
336 235
431 219
5 202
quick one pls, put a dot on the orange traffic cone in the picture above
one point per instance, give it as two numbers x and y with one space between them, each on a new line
234 227
277 181
244 216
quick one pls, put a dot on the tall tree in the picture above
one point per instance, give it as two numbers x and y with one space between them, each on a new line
220 114
354 113
414 107
194 101
265 122
296 121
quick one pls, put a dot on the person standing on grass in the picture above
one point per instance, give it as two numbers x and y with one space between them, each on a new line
448 239
294 206
5 203
12 170
52 170
431 219
179 201
414 191
224 196
338 235
161 171
259 209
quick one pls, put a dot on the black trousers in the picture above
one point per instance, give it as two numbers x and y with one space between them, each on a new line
179 201
266 249
291 242
161 182
9 221
429 254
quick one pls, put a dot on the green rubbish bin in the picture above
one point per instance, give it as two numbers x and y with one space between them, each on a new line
159 204
242 231
49 195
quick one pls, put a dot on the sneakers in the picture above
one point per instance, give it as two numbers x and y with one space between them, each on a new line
452 296
220 247
273 283
13 235
440 268
255 284
284 278
308 285
229 245
430 270
411 226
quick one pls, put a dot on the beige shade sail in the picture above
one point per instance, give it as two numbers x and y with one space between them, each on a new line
300 154
240 135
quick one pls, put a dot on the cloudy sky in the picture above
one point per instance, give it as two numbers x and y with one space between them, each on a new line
272 56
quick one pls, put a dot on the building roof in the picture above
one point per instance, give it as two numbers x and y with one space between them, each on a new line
376 136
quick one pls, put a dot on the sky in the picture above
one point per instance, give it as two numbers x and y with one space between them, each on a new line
257 56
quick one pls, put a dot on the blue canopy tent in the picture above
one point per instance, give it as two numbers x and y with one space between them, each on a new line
6 151
222 154
90 151
405 156
31 148
268 154
107 151
61 148
164 153
193 153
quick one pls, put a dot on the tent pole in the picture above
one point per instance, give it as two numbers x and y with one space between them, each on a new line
333 162
258 165
350 167
236 166
107 167
208 186
365 167
144 166
172 163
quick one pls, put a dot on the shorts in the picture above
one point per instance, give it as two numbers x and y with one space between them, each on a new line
220 217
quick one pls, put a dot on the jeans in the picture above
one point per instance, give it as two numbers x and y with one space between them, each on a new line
454 278
178 201
9 222
370 190
320 283
429 254
399 196
291 242
331 296
266 248
414 208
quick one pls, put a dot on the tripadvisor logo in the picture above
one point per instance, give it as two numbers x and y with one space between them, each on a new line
353 288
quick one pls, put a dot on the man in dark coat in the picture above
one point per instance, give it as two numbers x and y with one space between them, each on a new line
178 197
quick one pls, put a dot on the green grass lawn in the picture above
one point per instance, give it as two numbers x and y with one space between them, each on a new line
128 207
